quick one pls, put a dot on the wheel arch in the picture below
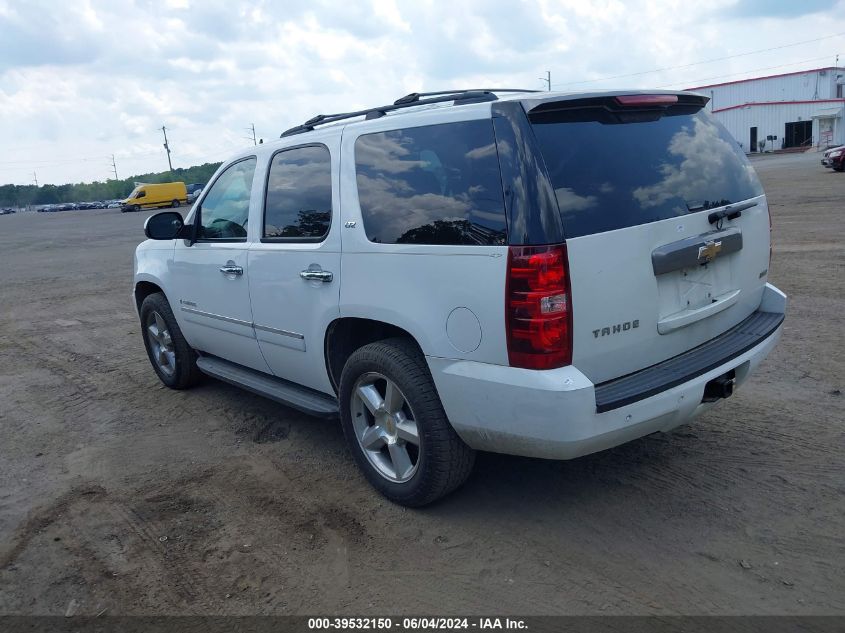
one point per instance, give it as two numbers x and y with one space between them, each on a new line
347 334
144 288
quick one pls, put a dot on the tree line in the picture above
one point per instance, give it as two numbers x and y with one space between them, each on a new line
23 195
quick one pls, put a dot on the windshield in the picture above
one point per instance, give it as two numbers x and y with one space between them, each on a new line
609 174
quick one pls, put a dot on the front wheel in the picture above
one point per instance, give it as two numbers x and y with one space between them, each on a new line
172 358
396 427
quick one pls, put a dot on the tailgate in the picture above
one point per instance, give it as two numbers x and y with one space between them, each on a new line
666 227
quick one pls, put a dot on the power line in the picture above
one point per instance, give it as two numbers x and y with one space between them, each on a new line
706 61
57 161
744 72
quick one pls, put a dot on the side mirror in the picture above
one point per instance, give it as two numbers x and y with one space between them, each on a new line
163 226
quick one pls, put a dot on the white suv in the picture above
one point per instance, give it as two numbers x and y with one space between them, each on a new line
540 274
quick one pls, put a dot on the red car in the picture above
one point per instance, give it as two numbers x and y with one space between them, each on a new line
834 158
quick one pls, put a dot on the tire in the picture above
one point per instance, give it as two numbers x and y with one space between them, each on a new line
173 360
175 204
438 463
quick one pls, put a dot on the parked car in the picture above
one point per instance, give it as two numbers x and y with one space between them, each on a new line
834 158
193 195
542 274
155 196
114 204
7 211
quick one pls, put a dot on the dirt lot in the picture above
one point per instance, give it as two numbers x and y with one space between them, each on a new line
117 494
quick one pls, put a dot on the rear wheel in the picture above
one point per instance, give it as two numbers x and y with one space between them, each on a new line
396 427
174 204
172 358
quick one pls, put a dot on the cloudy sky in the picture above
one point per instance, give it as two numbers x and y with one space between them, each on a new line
81 80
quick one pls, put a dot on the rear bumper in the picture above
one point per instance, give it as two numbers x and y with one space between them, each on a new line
554 414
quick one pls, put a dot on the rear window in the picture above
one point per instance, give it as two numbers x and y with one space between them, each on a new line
298 205
435 184
609 174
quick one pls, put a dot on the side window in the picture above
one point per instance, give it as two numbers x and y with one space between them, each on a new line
141 194
225 209
437 184
298 205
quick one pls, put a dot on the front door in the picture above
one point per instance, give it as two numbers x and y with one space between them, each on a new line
294 269
210 275
753 144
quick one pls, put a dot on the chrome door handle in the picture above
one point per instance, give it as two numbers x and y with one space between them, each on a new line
317 275
229 269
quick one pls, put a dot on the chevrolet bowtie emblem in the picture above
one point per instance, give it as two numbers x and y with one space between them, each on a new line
709 251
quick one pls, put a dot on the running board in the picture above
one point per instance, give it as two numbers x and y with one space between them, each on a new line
288 393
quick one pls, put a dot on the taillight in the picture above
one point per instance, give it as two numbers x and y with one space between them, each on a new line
538 308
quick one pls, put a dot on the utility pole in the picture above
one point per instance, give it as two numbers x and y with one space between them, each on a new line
252 129
114 166
167 147
547 80
35 176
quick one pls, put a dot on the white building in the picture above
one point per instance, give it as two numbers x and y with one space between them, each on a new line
795 109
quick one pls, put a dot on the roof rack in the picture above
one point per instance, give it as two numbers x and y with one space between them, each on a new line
476 95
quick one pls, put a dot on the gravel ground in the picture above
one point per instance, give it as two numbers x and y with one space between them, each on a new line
118 494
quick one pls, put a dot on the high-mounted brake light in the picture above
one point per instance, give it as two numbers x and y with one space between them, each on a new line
538 309
640 100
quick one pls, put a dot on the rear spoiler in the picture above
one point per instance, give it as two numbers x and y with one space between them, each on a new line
615 108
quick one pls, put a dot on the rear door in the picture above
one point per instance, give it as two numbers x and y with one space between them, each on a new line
636 182
294 268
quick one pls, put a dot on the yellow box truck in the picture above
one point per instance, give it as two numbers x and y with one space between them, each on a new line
154 196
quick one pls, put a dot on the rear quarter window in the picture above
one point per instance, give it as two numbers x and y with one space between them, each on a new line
614 171
436 184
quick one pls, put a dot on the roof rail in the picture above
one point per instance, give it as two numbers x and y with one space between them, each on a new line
414 97
477 95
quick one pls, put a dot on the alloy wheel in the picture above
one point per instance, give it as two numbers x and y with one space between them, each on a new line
385 426
161 344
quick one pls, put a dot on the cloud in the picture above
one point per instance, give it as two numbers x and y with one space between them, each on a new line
569 201
777 8
707 165
90 78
